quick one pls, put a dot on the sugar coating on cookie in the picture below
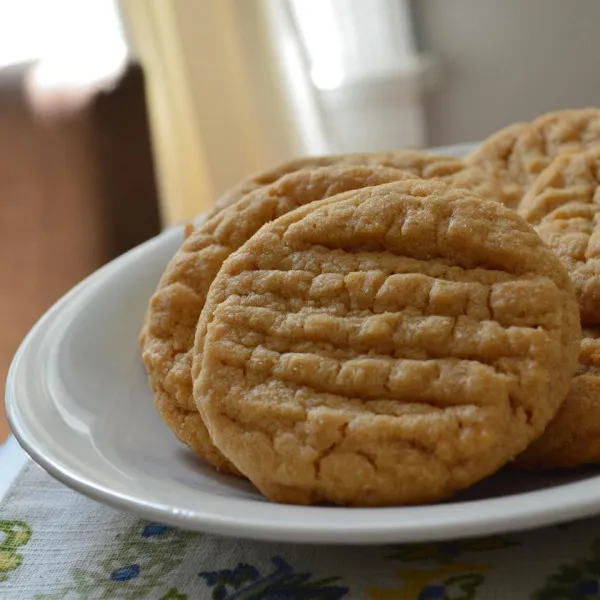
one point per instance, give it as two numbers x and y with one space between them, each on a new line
448 169
572 438
564 207
390 345
168 333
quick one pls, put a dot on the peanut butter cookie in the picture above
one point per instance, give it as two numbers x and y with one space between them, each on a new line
448 169
390 345
168 333
564 207
550 136
517 154
573 436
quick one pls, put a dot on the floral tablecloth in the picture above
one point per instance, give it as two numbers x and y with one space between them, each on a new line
57 545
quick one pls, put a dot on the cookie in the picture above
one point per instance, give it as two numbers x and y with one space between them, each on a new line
564 207
448 169
519 153
168 333
492 155
390 345
550 136
573 437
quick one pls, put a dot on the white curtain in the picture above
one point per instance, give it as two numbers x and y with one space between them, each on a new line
236 86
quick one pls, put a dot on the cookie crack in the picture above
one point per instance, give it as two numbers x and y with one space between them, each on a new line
330 449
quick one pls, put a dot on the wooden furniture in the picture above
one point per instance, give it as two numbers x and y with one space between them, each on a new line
74 193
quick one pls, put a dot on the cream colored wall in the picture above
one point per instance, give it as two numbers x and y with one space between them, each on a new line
506 61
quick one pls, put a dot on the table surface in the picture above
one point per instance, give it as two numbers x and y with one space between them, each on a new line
12 460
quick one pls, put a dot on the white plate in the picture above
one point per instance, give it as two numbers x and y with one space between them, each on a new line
79 403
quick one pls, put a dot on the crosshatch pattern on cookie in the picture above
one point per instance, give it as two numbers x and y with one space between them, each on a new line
564 207
550 136
168 334
517 154
398 334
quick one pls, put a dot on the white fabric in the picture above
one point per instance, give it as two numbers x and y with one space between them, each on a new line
57 545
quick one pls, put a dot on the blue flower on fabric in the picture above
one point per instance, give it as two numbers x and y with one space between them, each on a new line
282 583
587 588
433 592
153 529
125 573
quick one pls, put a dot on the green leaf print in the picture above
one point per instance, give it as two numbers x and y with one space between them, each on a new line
139 563
13 536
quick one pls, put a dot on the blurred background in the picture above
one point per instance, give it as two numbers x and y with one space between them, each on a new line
120 118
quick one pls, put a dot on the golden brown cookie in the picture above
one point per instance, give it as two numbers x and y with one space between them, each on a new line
564 207
573 437
550 136
448 169
518 154
492 155
390 345
168 334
